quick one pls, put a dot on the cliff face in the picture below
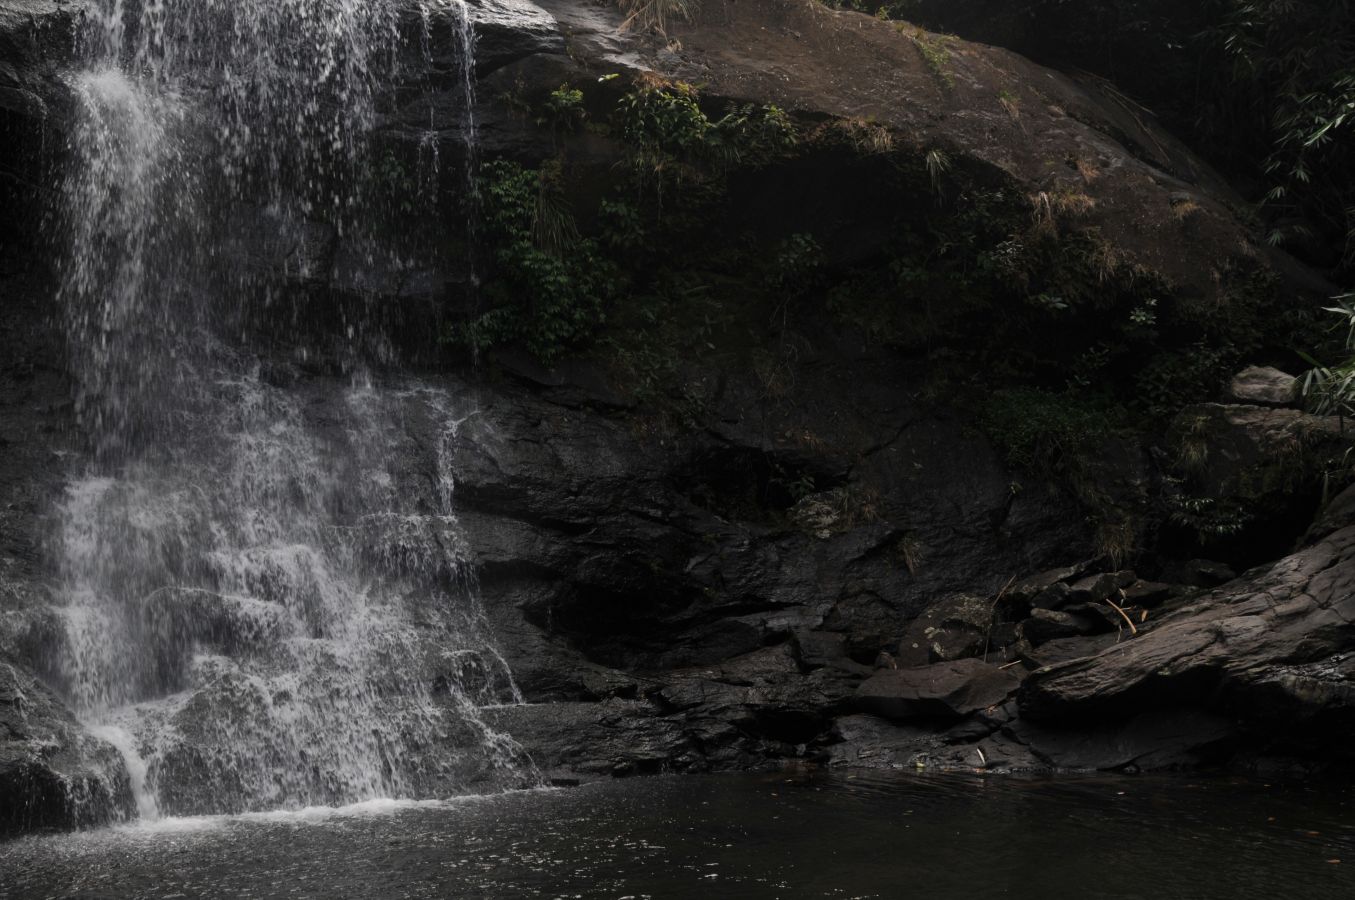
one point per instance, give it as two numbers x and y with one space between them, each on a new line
784 541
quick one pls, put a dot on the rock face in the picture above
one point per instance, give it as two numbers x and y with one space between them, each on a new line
988 104
1268 650
811 575
52 774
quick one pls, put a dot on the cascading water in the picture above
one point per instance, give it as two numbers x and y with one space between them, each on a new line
267 603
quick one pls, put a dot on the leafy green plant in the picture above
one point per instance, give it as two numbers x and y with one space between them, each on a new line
1330 390
563 110
1173 378
1297 61
549 285
1145 314
672 139
797 266
1208 517
1042 431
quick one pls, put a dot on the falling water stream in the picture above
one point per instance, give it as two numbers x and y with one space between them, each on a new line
267 604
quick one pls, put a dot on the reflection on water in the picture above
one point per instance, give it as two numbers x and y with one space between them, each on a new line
742 836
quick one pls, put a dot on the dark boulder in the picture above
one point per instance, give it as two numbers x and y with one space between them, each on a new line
945 690
53 774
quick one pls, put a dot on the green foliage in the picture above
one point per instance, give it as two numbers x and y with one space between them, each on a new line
1045 432
796 268
673 141
1297 61
654 333
563 110
1330 390
1209 517
664 121
1172 379
549 286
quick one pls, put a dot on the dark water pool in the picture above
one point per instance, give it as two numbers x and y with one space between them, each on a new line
905 836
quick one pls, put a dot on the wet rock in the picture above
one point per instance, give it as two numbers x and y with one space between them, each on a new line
1097 588
1060 650
1047 625
865 741
1003 635
1149 593
1027 589
1272 650
1199 573
52 773
870 742
598 740
943 690
1054 597
1336 515
1097 618
955 628
979 724
1155 739
815 649
1263 386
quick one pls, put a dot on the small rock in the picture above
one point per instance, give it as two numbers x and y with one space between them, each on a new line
1263 386
1097 588
1097 618
1027 589
1148 593
1056 596
1047 625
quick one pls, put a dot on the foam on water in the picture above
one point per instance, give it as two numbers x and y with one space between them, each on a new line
310 815
265 605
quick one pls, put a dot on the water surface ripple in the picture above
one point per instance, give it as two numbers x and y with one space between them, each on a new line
771 836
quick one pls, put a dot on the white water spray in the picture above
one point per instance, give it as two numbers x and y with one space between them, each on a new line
266 604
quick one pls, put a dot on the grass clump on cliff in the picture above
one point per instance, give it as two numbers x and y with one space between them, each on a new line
656 15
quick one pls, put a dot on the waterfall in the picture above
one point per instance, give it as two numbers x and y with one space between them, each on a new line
267 598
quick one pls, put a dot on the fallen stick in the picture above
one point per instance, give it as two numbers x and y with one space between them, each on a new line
1133 629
